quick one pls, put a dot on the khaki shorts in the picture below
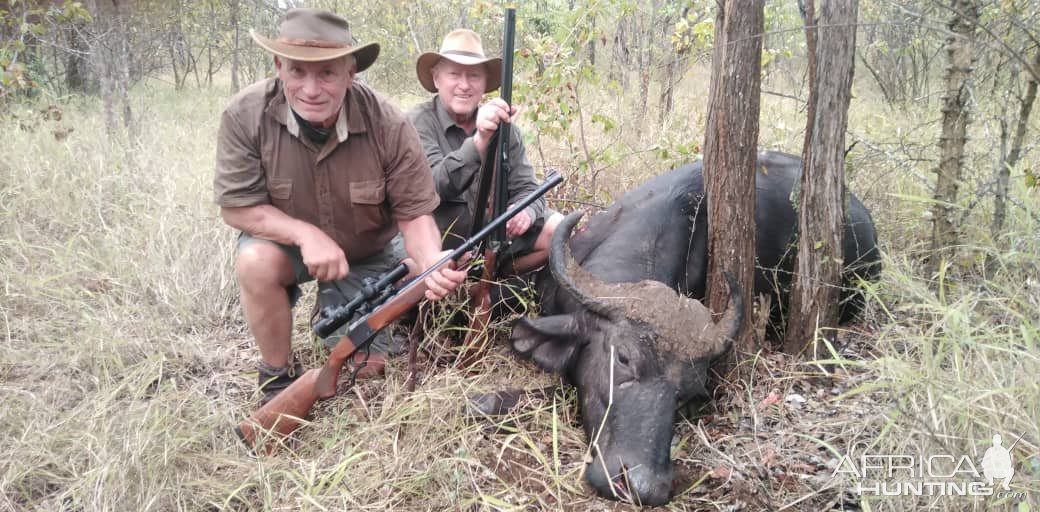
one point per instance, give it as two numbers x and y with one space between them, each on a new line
338 292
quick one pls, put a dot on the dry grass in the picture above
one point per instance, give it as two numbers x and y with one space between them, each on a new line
125 360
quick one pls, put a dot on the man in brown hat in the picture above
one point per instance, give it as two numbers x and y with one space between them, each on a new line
456 130
320 174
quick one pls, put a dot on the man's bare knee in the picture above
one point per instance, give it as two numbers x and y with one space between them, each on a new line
261 265
545 237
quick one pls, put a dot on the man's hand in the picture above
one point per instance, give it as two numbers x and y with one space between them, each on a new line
489 117
519 224
323 257
442 282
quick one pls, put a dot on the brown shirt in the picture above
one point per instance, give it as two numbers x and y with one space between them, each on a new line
370 173
455 163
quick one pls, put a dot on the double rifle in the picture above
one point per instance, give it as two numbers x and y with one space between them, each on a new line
382 304
491 200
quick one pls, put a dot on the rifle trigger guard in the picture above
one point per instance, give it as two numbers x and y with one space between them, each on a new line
499 246
359 365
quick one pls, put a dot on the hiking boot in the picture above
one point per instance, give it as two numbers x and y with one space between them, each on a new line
272 381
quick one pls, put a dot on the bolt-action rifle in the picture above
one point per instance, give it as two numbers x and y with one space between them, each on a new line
283 414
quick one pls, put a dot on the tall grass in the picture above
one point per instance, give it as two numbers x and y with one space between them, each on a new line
125 359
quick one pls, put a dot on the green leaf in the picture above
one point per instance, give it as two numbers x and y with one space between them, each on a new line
607 122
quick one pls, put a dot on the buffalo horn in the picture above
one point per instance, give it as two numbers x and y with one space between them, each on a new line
561 263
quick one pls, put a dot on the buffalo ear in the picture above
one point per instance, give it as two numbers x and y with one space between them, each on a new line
552 342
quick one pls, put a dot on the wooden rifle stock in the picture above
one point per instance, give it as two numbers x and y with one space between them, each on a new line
474 346
282 415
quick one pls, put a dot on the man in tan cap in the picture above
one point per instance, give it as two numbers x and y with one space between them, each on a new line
456 130
321 175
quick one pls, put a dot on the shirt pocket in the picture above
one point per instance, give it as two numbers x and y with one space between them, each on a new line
368 199
280 191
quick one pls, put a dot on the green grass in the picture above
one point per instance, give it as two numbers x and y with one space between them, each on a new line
125 361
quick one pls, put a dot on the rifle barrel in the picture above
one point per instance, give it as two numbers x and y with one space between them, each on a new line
501 197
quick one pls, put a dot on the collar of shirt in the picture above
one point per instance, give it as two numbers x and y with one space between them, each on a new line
348 121
444 118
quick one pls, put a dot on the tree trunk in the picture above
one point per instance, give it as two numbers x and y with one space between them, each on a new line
1004 173
670 75
730 153
235 48
817 278
123 59
211 39
621 56
590 47
668 79
76 77
645 57
175 43
102 62
956 116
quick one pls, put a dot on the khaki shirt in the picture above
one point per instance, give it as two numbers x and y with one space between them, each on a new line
369 174
456 164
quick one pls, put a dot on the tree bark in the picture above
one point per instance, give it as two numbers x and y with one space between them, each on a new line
76 76
956 116
235 48
1004 173
621 55
123 58
101 61
644 56
175 43
817 280
590 47
730 155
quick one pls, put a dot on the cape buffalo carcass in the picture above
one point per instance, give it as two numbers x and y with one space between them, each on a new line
617 322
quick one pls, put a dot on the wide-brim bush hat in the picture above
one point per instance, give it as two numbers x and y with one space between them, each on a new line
312 35
464 47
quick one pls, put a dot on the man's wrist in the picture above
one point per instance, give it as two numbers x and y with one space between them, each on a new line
480 143
301 232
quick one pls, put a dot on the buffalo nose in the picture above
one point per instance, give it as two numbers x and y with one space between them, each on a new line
640 484
648 488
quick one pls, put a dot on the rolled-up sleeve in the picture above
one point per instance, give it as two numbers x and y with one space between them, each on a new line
239 179
409 184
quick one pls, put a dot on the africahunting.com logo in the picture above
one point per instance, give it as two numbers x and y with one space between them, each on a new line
933 475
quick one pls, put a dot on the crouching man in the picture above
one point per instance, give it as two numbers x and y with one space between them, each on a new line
326 180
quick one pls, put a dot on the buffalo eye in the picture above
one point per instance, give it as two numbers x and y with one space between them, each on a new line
624 373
